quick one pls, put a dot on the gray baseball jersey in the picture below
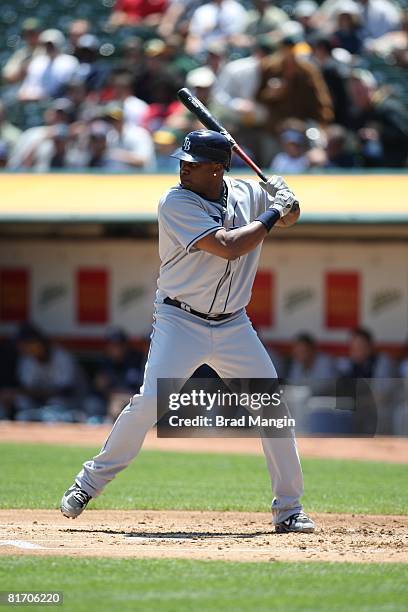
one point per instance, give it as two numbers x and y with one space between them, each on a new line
205 282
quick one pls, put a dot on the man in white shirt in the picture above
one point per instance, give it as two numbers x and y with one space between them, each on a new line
48 74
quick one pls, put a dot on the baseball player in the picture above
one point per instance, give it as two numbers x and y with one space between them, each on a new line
211 230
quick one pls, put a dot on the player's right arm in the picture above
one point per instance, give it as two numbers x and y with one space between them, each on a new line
231 245
240 241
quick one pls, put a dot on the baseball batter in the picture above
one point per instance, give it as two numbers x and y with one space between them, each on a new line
211 230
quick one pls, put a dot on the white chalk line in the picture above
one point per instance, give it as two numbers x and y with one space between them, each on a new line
20 544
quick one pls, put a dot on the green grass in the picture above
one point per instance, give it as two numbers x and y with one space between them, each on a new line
35 476
178 585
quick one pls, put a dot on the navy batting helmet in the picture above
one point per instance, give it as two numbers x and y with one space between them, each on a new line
205 146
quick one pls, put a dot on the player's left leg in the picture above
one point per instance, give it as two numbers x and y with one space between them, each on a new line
238 353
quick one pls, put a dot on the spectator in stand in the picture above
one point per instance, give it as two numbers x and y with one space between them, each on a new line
364 360
15 68
9 133
131 58
53 152
334 74
8 379
305 12
373 400
291 86
51 384
135 12
380 121
127 147
216 56
85 103
263 17
348 33
49 72
134 109
308 364
339 151
293 156
201 81
120 373
158 80
177 16
25 155
234 94
130 146
92 69
215 20
378 18
165 142
77 29
96 152
393 46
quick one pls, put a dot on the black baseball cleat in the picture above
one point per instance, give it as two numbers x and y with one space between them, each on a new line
74 501
297 523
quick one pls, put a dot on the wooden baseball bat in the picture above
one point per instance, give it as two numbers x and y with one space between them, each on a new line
202 113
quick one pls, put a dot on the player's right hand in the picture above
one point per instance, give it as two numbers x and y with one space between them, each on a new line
284 202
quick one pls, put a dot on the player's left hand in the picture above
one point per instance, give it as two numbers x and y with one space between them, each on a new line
289 219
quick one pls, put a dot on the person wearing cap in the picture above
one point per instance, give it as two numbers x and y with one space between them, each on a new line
26 153
48 73
211 230
292 157
134 109
348 32
214 20
15 68
201 81
177 16
120 371
291 86
92 69
305 12
380 121
334 74
76 29
164 142
115 145
50 381
264 17
234 97
377 16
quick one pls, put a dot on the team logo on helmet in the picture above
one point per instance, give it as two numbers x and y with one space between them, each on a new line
186 144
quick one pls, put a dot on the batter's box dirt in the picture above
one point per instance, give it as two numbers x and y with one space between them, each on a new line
234 536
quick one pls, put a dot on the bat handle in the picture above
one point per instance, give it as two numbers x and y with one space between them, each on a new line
255 168
248 161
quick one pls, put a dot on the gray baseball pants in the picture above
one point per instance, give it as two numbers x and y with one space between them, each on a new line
180 343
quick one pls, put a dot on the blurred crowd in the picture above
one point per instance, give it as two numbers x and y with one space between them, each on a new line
42 381
301 86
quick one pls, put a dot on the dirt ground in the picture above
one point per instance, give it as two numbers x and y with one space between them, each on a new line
232 536
228 536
